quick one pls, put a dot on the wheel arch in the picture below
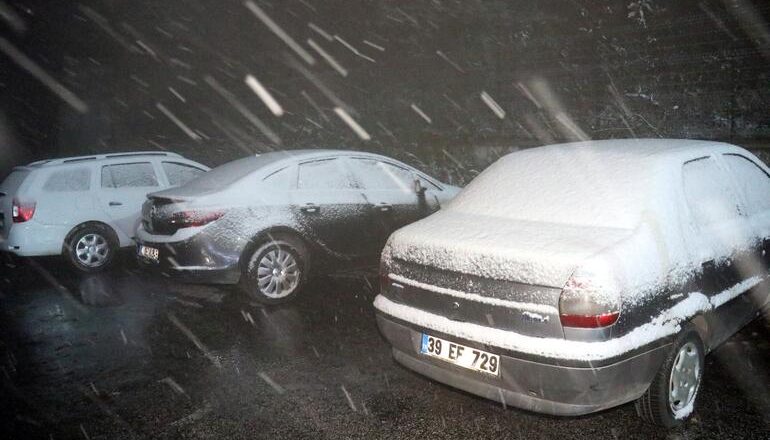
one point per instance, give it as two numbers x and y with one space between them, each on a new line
265 235
701 326
81 225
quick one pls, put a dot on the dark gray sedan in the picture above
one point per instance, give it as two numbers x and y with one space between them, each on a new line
268 221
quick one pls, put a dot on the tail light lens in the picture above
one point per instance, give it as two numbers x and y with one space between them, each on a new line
582 305
189 219
22 211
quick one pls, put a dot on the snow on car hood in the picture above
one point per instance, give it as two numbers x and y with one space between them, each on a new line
528 252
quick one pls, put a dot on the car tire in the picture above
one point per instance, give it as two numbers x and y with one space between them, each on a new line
672 395
276 271
91 247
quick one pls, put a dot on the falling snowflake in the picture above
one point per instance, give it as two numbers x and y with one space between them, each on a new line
637 10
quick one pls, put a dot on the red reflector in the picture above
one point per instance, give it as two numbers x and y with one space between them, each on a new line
21 212
589 321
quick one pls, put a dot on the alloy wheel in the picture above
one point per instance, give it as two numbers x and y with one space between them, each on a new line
92 250
278 273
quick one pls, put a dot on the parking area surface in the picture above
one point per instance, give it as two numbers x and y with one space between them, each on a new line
124 354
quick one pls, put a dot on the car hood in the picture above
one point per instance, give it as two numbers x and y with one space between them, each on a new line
537 253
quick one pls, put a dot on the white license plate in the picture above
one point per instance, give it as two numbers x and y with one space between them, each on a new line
148 252
460 355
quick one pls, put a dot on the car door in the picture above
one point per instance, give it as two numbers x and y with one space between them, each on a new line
390 189
330 207
722 235
123 190
753 182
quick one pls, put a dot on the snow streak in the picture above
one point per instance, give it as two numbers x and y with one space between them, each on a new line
187 130
264 95
279 32
422 114
326 56
41 75
493 105
352 123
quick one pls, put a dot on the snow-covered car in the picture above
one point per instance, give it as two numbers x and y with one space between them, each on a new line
84 207
265 222
572 278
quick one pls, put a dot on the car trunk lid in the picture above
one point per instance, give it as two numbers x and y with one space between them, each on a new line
490 271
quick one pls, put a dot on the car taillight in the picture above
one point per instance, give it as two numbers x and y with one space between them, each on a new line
582 305
22 211
188 219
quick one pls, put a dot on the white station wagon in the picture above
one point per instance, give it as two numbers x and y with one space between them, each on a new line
84 207
572 278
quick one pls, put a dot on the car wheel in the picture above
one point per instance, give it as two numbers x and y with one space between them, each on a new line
91 247
671 397
275 271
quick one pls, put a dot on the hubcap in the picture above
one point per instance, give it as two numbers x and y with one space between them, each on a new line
685 377
92 250
277 273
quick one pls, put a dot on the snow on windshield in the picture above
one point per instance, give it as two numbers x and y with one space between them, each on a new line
572 185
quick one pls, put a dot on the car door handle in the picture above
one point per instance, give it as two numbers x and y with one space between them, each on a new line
384 207
310 208
116 204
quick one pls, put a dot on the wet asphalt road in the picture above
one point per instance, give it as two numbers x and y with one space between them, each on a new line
125 354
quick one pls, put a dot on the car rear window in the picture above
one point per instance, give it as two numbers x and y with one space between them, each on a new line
231 172
709 195
565 185
67 180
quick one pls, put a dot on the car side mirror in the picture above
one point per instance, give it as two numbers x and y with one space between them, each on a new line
419 189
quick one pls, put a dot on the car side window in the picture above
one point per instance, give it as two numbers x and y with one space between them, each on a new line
709 195
325 174
752 181
280 179
129 175
375 174
74 179
180 173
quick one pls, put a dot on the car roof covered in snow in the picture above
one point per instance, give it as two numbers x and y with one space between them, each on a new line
231 172
644 150
607 183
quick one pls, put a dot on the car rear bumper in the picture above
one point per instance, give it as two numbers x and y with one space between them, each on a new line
539 385
33 239
193 260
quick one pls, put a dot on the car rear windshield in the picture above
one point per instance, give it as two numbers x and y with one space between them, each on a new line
231 172
12 183
569 187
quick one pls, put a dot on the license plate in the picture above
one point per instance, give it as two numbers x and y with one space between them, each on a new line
460 355
148 252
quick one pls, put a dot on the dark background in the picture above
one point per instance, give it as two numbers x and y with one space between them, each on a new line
560 69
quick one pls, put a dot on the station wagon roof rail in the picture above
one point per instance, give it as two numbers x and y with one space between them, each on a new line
50 162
